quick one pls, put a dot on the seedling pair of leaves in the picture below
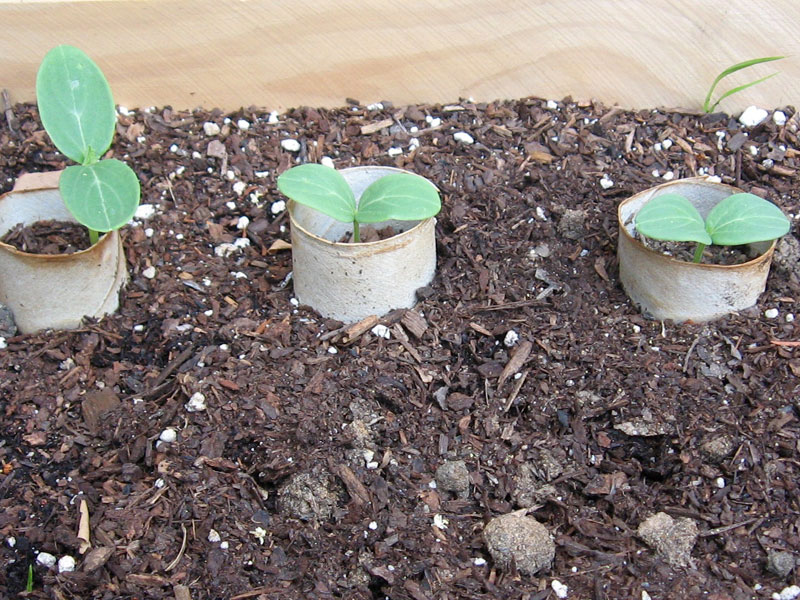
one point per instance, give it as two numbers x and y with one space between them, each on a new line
736 220
77 111
399 196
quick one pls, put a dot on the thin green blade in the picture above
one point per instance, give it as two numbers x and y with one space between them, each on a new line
738 89
744 219
671 217
707 106
75 103
400 196
102 196
321 188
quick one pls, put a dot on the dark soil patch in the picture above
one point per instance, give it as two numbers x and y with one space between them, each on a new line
712 254
304 462
48 237
368 233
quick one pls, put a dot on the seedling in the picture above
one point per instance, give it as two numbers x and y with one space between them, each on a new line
29 582
399 196
738 219
77 111
709 108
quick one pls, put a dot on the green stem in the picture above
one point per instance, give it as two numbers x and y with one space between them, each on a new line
356 234
93 236
698 253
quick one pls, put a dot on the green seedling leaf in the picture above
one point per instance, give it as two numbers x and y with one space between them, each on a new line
744 219
102 196
75 104
321 188
671 217
401 196
708 107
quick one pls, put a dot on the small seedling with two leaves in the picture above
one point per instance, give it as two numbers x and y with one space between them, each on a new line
77 111
708 107
736 220
399 196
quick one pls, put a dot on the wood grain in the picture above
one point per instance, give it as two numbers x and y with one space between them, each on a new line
280 53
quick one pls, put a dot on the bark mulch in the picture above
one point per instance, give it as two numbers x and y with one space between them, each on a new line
304 461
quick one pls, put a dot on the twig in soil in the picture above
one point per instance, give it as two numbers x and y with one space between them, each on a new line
515 391
718 530
11 119
5 483
178 558
357 491
790 344
257 592
689 353
171 191
508 306
176 362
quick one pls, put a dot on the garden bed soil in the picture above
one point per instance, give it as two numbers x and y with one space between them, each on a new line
305 453
712 255
48 237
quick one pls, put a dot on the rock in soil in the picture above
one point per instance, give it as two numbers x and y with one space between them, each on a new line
718 448
673 539
529 490
309 496
787 255
8 327
780 563
453 476
520 540
571 224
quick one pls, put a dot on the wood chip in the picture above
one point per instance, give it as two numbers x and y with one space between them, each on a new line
782 171
541 157
181 592
83 527
147 580
415 323
600 268
278 245
97 558
357 491
228 384
480 329
401 337
516 362
356 330
684 145
95 404
377 126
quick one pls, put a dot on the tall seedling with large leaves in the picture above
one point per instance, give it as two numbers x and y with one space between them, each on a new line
77 111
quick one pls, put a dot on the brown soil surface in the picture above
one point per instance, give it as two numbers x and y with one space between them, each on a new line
310 465
48 237
368 234
712 255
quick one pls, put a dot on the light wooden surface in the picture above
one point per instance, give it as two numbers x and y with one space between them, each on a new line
281 53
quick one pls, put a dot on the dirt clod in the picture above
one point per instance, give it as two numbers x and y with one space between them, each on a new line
309 496
519 540
780 563
673 539
453 476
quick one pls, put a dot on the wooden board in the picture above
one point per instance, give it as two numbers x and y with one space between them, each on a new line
281 53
